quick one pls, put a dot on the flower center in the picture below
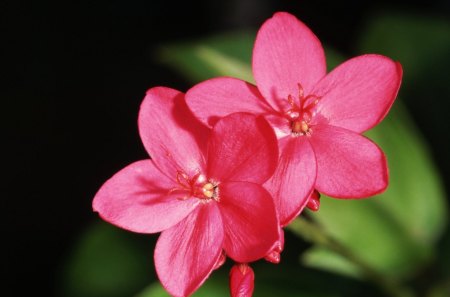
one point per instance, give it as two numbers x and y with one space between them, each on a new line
197 186
299 127
210 190
300 112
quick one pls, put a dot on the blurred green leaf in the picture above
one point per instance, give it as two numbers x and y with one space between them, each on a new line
442 290
223 55
421 43
444 254
322 258
107 262
154 290
214 286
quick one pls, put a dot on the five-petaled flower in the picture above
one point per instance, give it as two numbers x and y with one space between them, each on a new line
318 117
202 189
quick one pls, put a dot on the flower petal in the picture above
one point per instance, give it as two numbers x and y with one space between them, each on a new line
294 178
242 147
286 53
171 135
249 219
186 254
218 97
138 199
348 164
358 94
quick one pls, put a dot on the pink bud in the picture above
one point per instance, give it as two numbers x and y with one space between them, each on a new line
314 201
274 255
242 280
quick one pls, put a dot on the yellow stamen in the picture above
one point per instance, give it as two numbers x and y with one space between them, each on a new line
208 190
304 127
300 127
296 127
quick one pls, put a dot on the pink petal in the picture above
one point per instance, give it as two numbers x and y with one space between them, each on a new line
249 219
186 254
294 178
358 94
280 124
219 97
286 53
348 164
138 199
171 135
242 147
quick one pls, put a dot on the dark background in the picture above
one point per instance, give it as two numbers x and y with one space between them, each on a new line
75 74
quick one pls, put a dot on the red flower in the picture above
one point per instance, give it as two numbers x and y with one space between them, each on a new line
205 194
318 117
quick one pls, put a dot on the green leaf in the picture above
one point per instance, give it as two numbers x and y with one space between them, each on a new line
224 55
214 286
322 258
107 262
420 43
154 290
440 290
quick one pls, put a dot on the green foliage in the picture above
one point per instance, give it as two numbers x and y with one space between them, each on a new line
420 43
107 262
214 286
224 55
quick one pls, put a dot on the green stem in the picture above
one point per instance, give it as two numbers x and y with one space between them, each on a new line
315 234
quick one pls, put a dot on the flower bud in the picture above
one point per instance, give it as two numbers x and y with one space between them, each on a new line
242 279
314 201
274 255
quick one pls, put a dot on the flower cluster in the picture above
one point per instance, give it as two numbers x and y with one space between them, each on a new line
232 163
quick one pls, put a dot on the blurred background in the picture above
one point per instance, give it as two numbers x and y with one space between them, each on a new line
75 75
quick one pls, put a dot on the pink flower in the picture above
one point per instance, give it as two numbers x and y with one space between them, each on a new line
318 117
202 189
242 279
